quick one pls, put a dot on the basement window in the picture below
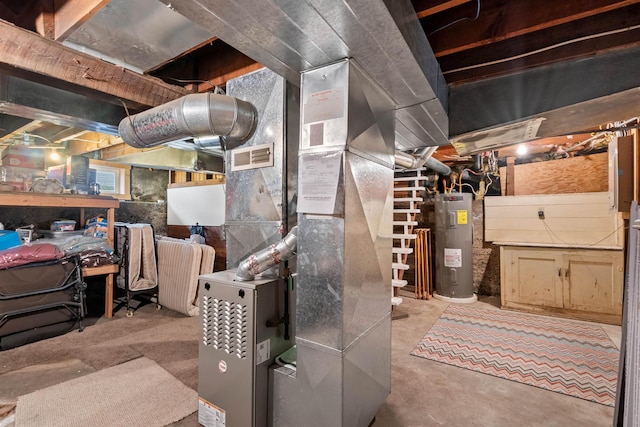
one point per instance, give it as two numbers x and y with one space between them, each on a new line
114 178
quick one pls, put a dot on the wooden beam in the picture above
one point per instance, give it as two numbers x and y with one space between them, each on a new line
23 52
212 65
221 80
493 55
510 175
71 14
45 25
427 8
500 21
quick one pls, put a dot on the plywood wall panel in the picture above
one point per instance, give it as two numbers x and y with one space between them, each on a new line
583 174
581 219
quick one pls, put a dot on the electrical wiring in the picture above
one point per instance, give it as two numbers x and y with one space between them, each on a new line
550 231
544 49
475 193
458 20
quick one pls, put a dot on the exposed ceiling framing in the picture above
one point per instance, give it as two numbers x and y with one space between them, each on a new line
501 62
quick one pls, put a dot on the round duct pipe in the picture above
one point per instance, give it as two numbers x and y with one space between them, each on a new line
194 115
422 158
268 257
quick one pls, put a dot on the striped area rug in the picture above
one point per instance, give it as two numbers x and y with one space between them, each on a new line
574 358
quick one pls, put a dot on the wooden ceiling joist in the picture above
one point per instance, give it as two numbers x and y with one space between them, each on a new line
499 21
568 41
427 8
71 14
24 51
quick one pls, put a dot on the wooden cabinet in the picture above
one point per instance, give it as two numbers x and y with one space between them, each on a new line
38 200
580 283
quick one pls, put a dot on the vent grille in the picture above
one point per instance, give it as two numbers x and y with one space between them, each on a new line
257 156
225 326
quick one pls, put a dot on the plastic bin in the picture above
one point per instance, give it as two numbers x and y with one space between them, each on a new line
9 239
63 225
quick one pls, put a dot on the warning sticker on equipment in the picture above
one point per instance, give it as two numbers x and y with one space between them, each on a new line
462 217
209 415
452 257
263 352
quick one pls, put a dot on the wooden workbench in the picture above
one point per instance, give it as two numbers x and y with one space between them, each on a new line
76 201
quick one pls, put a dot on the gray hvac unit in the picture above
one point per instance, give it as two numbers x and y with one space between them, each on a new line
454 247
241 335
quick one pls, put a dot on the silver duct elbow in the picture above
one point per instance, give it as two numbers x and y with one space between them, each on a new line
194 115
405 160
268 257
409 161
423 158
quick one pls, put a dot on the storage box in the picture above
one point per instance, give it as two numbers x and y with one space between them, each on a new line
97 227
63 225
50 234
23 157
9 239
21 178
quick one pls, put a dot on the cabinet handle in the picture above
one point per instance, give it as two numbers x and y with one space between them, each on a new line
560 272
566 273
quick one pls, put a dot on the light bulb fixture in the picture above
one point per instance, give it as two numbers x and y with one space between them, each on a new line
522 149
54 156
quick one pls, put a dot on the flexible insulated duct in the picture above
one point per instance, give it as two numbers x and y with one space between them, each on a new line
194 115
268 257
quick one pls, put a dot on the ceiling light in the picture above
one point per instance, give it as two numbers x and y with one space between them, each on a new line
54 156
522 150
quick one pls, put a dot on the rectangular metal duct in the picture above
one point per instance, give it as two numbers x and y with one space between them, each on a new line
37 101
383 36
260 208
343 313
115 33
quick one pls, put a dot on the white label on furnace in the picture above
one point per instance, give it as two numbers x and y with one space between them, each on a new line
324 105
318 185
452 257
263 352
209 415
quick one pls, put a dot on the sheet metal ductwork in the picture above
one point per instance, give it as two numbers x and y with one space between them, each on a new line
268 257
408 161
194 115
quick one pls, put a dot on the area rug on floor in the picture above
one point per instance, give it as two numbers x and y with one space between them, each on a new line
574 358
135 393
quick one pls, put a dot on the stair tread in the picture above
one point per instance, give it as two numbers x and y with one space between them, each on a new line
406 210
399 266
407 199
398 283
406 251
399 189
396 300
404 236
409 178
405 222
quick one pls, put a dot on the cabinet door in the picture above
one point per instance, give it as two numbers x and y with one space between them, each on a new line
533 277
593 281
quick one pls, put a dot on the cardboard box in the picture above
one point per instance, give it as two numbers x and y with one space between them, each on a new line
23 157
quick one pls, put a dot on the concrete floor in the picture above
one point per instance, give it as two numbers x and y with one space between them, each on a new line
424 393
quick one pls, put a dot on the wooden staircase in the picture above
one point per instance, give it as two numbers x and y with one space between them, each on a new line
407 187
